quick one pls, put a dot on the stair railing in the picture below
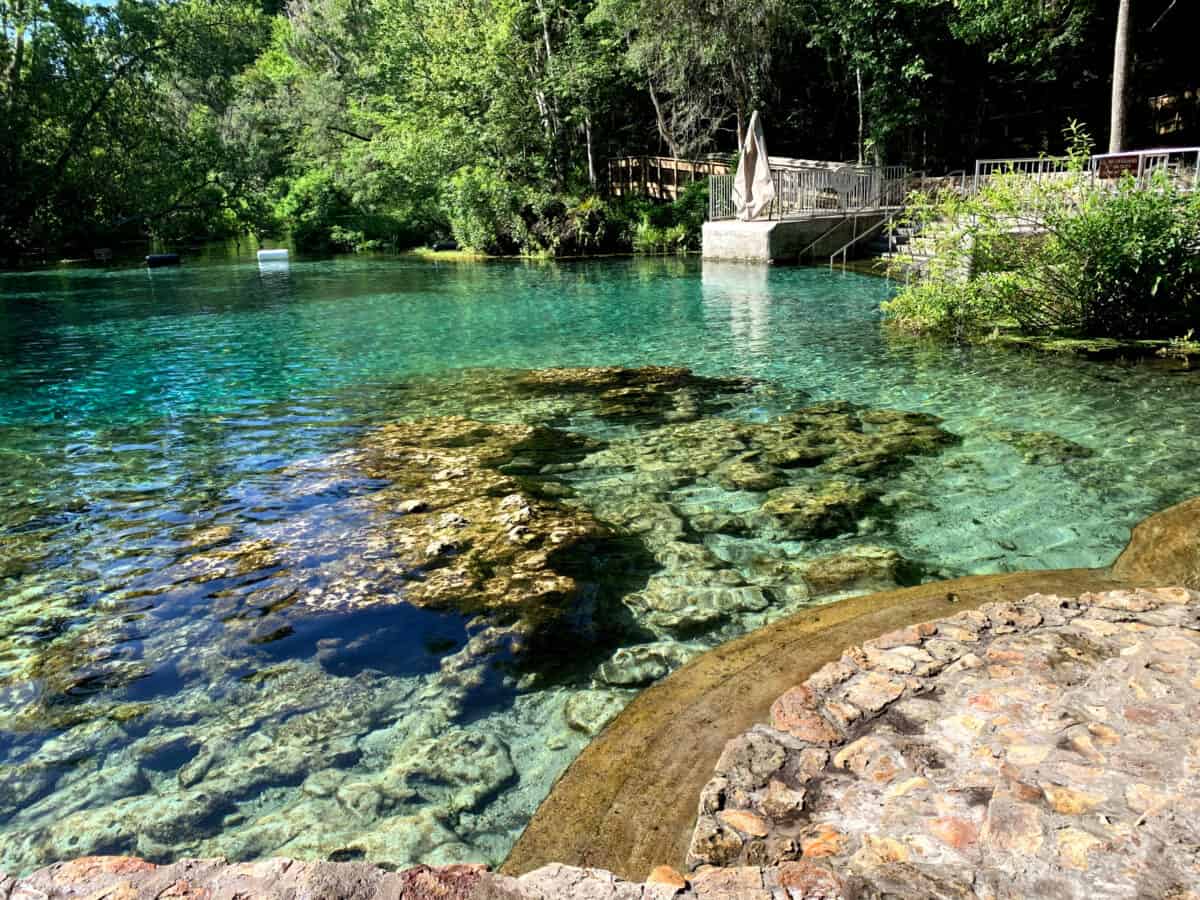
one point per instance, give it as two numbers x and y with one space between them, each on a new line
844 250
811 248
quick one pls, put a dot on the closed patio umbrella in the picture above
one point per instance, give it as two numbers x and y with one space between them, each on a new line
753 188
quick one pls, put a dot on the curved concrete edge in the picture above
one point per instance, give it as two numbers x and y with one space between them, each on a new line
628 802
1164 547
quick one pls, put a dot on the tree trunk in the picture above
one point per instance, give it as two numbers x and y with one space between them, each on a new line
1116 139
858 82
663 132
587 133
13 75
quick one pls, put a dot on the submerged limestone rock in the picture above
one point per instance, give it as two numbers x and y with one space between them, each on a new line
1043 448
615 395
682 603
479 541
459 768
441 527
644 663
748 475
757 456
589 711
824 509
669 393
860 568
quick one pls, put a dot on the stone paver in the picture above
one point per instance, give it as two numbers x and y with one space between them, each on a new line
1045 748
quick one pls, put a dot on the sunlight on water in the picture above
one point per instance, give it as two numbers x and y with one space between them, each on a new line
204 550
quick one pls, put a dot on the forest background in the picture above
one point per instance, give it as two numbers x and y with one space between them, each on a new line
357 124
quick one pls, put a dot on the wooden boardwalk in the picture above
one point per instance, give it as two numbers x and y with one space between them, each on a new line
659 177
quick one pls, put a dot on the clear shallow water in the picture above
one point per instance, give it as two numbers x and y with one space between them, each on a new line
149 420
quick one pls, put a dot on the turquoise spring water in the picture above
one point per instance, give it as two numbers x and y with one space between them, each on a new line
147 416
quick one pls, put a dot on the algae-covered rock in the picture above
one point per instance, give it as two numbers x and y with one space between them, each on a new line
683 603
442 528
21 553
861 568
589 711
819 509
748 475
457 770
615 395
1043 448
833 438
644 663
480 543
650 392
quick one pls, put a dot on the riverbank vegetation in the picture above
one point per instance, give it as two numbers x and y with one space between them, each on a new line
377 123
1066 255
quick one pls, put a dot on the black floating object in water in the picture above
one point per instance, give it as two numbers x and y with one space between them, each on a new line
158 260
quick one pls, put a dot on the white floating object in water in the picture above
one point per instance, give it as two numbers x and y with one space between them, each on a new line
272 255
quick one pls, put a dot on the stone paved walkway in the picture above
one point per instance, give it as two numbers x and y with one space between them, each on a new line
1047 748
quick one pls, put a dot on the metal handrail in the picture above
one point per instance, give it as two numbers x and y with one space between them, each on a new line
1104 166
824 234
845 248
893 210
801 191
1028 165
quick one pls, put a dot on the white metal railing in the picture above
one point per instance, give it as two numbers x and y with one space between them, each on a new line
720 197
1038 168
808 191
1180 164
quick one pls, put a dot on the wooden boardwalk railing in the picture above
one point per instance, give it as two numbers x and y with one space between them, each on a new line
659 177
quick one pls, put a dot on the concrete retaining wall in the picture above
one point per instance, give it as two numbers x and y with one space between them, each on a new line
782 242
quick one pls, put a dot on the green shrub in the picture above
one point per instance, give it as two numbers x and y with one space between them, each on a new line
1065 254
312 208
320 216
572 227
691 209
484 210
488 212
650 227
649 238
1135 255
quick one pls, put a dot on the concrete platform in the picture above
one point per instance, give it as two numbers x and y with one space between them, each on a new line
783 241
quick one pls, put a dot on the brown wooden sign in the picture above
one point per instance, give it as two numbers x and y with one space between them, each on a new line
1117 166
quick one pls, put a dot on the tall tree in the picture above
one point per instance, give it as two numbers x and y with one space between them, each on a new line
1121 61
114 115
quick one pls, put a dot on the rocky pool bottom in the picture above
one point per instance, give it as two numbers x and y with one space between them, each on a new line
390 650
1043 747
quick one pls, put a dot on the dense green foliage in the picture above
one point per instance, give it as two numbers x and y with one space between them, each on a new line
1065 254
363 123
117 119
